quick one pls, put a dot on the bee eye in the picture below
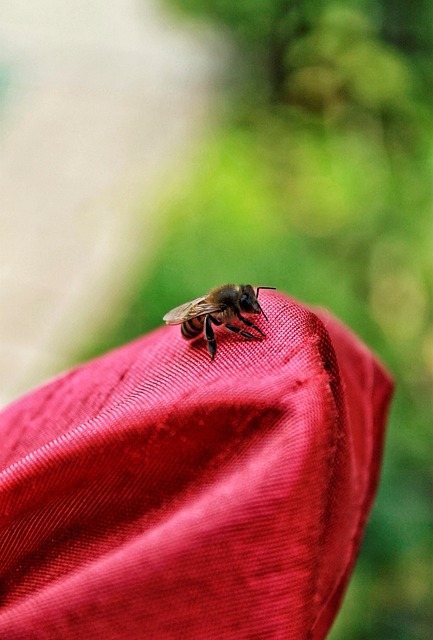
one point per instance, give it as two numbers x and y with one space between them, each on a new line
245 302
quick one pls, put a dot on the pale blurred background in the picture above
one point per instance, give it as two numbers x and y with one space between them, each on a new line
99 102
153 149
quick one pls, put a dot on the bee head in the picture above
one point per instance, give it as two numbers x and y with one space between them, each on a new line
248 301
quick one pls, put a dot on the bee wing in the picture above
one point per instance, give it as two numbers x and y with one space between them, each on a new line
184 312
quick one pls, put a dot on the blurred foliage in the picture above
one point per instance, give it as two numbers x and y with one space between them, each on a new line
269 29
324 190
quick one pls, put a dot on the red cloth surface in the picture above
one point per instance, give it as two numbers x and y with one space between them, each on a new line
152 493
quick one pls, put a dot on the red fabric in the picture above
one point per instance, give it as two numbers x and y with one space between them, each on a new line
152 493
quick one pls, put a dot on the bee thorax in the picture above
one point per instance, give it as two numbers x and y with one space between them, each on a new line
224 316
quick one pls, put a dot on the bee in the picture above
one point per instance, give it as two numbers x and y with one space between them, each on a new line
220 306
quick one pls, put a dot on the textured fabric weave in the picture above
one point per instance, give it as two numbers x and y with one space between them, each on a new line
152 493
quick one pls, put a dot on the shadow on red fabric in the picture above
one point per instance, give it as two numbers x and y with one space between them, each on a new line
152 493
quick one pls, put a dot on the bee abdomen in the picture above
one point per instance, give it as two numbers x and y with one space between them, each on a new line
191 328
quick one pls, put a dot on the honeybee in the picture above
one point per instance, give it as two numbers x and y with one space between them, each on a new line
220 306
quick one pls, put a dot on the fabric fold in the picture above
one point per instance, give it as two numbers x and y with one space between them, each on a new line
154 493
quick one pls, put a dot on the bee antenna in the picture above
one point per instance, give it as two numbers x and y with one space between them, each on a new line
266 317
257 296
258 289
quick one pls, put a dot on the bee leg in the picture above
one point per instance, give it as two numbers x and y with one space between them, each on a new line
249 324
246 334
209 335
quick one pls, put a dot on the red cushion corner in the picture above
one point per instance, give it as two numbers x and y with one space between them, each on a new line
154 493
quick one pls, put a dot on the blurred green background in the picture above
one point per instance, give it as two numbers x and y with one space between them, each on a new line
317 179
